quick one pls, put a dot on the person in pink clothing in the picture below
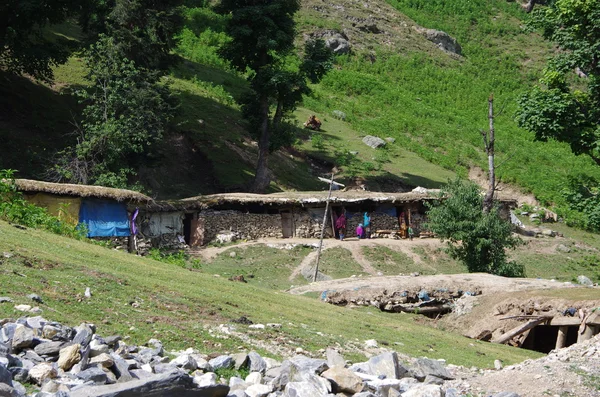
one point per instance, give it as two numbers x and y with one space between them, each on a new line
360 232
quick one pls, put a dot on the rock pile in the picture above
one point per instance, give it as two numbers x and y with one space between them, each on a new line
64 361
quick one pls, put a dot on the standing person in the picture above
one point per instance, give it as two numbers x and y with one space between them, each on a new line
411 232
340 225
367 225
360 231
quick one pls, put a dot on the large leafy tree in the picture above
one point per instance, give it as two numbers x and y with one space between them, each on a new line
566 106
477 238
127 112
262 33
144 30
25 45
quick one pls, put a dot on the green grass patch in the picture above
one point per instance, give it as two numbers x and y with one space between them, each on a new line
390 262
141 299
260 265
338 263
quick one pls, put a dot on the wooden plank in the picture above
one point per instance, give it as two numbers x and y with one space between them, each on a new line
518 330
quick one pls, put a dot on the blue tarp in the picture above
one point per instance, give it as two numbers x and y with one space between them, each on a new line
104 218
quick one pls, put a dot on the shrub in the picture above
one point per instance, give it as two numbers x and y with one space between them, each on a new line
477 239
14 208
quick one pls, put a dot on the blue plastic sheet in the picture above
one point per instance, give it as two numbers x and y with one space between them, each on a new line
104 218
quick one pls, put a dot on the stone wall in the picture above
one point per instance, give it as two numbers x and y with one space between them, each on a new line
245 225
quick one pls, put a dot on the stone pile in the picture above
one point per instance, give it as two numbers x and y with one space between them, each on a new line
77 362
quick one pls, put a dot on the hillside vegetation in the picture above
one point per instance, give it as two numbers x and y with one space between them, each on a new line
140 298
395 84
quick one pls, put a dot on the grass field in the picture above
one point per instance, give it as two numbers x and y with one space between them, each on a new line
141 298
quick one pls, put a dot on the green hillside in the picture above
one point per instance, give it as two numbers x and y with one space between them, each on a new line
394 84
140 298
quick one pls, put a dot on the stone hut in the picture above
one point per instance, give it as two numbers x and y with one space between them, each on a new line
219 217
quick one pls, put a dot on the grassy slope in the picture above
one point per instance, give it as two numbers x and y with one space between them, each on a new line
433 104
174 305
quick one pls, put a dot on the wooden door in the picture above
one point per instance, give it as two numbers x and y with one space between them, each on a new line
287 223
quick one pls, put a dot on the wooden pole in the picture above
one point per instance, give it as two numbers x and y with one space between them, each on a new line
518 330
561 339
488 201
323 230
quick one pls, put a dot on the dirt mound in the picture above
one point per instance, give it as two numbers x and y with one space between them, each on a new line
572 371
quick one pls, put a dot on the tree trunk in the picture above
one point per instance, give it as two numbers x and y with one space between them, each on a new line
278 115
488 201
529 6
262 178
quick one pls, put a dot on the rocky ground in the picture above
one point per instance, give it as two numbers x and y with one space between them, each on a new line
61 361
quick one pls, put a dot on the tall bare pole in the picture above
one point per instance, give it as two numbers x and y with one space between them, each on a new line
488 141
323 229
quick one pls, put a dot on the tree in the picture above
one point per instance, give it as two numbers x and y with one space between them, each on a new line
476 238
262 33
25 46
566 106
144 30
127 112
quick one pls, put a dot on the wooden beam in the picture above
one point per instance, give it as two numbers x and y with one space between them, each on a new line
561 339
518 330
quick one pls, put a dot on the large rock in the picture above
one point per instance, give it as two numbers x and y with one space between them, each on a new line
373 141
4 349
337 42
443 40
257 364
22 338
173 384
334 358
185 361
221 362
19 374
48 348
426 366
259 390
309 365
41 372
422 390
69 356
387 365
583 280
105 360
57 332
84 335
93 374
302 389
8 391
343 380
5 376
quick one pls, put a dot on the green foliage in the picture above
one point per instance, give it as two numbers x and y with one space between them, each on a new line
144 31
582 196
126 114
25 48
317 141
478 239
567 108
14 208
179 258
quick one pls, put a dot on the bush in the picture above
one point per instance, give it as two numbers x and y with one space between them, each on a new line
14 208
179 258
477 239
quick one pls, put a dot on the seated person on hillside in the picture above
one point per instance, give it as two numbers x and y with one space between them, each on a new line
313 123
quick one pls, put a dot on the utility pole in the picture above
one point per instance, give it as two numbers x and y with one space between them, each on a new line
331 183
